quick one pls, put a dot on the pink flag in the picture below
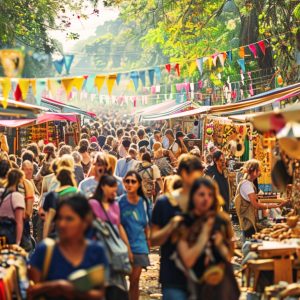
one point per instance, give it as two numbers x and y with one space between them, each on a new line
253 49
153 89
262 46
222 58
214 59
200 84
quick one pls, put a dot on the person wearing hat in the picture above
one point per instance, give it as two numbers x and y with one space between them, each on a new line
3 140
143 143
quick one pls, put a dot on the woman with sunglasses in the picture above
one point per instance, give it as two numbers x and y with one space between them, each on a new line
205 245
107 209
135 216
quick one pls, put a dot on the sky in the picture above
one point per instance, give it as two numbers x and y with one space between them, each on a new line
85 28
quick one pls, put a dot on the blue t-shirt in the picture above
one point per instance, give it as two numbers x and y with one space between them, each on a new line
170 275
61 268
135 219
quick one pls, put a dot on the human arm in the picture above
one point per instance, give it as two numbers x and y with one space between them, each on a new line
254 201
124 238
183 146
29 198
49 217
19 217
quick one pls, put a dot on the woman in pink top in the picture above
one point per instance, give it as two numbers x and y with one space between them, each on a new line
12 207
106 208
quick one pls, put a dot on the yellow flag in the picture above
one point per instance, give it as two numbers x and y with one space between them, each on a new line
67 83
110 81
99 80
53 86
6 87
130 86
33 85
209 62
192 68
24 87
12 62
78 83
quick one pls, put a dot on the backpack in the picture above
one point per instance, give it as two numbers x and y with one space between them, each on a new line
148 183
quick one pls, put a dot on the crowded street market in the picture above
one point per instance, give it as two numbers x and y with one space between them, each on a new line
150 163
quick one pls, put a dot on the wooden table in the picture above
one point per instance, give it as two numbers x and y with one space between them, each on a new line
282 254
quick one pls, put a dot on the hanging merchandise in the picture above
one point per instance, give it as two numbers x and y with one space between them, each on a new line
12 62
68 59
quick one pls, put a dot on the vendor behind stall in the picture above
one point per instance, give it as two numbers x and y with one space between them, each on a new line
3 140
246 199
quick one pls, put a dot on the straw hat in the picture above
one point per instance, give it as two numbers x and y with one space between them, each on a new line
289 140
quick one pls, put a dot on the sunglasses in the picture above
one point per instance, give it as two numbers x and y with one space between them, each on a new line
130 181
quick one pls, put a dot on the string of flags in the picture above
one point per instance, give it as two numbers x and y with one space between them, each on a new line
14 61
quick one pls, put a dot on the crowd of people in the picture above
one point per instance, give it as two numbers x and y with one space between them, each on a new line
146 188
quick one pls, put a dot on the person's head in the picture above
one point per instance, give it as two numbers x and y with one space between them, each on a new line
66 160
126 143
135 139
157 136
196 152
252 169
77 158
146 157
94 147
65 176
219 158
112 161
120 133
190 168
143 144
106 189
132 153
101 140
14 177
133 183
100 164
64 150
4 168
132 133
109 140
61 144
169 134
203 197
209 159
27 168
157 150
171 183
84 136
73 217
49 150
12 157
179 135
141 133
27 155
83 146
54 166
34 148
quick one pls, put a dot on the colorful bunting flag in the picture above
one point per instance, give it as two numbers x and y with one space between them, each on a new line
68 59
177 69
5 87
18 93
262 47
33 86
90 83
99 81
209 62
110 81
12 62
253 49
222 58
192 68
241 62
229 55
78 83
214 59
67 84
151 76
118 78
157 74
242 52
24 87
40 87
134 76
199 63
142 75
59 64
168 68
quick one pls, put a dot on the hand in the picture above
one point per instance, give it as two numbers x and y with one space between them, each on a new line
175 222
218 239
206 230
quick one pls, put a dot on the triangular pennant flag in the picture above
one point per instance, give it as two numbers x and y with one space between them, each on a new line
142 75
253 49
192 68
68 59
67 83
151 76
89 84
242 52
168 68
241 62
98 82
110 81
229 55
58 64
33 86
53 87
24 87
199 63
78 83
134 76
40 87
214 59
262 47
5 87
18 93
177 69
209 62
157 74
118 78
12 62
222 58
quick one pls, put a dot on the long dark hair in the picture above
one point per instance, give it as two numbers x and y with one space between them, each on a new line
14 177
208 183
140 191
105 180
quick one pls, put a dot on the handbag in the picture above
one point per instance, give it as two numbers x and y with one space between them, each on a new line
116 249
8 227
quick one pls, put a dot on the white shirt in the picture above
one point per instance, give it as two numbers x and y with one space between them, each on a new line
246 189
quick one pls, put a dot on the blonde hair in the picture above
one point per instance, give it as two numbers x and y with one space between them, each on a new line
157 149
250 166
66 160
112 163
